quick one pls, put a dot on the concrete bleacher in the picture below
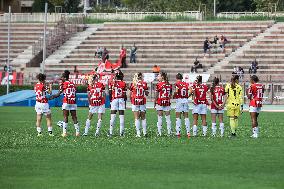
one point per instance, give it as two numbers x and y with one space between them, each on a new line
22 37
268 51
172 46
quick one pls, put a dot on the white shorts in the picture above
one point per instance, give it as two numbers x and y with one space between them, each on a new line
136 108
163 108
97 109
214 111
42 108
118 104
254 109
200 109
69 107
182 105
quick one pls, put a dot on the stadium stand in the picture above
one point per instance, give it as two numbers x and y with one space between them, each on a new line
172 46
268 49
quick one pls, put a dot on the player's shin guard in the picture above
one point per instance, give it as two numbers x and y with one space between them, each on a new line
169 124
236 123
204 130
194 130
77 129
178 125
222 129
159 125
87 127
137 126
187 125
232 125
99 124
111 125
121 125
214 129
144 126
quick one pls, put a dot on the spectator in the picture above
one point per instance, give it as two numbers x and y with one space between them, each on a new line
238 71
215 40
223 42
123 57
105 55
99 52
133 54
196 65
206 46
253 67
76 71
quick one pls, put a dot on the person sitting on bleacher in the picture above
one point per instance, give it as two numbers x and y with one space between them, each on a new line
206 46
196 65
253 67
223 42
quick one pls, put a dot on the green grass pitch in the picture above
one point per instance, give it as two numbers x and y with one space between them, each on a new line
27 161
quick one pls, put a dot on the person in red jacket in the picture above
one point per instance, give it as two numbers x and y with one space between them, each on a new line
122 56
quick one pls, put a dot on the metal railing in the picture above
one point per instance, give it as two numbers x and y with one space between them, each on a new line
235 15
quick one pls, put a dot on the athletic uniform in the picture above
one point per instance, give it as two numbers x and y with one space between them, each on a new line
235 100
41 106
182 95
118 89
164 90
200 101
256 91
69 91
218 97
96 98
138 96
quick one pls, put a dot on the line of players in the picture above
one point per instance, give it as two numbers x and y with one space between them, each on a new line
231 96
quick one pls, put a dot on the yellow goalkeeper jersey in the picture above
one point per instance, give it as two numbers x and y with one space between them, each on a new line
235 96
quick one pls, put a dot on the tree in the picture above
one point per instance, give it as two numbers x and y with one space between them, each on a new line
39 6
72 6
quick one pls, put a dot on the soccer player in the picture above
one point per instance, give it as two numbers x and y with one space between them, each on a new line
118 99
162 102
41 106
234 101
138 93
181 95
255 94
69 102
199 91
96 98
217 106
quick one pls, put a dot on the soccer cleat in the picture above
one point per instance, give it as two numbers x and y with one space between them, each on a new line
39 135
145 135
50 134
77 134
159 134
213 135
96 134
188 135
138 136
254 136
178 135
233 135
204 135
109 135
64 134
85 134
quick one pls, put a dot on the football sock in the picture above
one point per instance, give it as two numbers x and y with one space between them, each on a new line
187 125
64 127
112 120
169 127
159 124
233 125
222 129
144 126
214 128
204 130
236 123
99 124
194 130
77 128
38 129
178 125
121 122
87 127
137 126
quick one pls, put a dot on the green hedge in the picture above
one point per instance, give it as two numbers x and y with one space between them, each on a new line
14 88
